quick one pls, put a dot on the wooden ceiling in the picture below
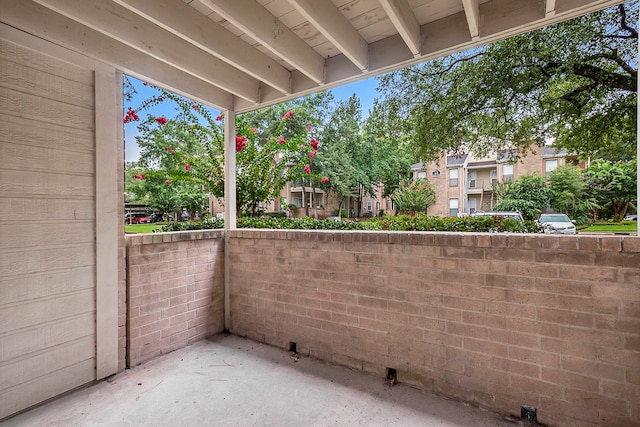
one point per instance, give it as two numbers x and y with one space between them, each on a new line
240 55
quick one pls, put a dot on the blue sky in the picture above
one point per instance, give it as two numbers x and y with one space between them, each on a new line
365 90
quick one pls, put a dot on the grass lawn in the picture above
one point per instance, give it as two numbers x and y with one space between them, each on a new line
143 228
616 227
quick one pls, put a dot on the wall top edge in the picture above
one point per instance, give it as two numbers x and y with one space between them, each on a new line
172 236
580 242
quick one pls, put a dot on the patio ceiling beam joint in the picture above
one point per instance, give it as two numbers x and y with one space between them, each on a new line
472 12
405 22
126 27
549 8
177 17
256 21
336 28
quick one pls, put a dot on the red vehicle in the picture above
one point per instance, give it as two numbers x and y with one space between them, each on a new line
137 218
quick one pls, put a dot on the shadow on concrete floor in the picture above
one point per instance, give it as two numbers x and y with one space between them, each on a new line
231 381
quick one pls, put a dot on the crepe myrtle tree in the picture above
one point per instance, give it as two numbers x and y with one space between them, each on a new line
190 148
414 196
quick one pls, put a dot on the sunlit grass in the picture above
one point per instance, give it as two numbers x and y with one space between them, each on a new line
616 227
143 228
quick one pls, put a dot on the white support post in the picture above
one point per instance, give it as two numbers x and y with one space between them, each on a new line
229 204
229 170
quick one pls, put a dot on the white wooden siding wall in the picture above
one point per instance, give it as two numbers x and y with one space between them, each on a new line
47 227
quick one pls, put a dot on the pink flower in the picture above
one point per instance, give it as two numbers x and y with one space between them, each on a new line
314 143
187 166
312 154
325 180
241 142
130 116
169 148
219 117
161 120
168 181
307 169
288 115
196 107
137 176
253 130
309 128
281 140
143 176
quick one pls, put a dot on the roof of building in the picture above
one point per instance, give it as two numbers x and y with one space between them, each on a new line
457 160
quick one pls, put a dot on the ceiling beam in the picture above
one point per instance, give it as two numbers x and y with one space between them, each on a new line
125 26
178 18
49 25
405 22
549 8
260 24
336 28
472 12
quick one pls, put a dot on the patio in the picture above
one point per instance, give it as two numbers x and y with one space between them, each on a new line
228 380
498 321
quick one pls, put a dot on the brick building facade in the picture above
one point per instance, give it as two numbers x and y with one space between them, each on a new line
464 183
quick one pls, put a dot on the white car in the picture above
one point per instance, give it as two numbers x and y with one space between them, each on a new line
557 224
507 215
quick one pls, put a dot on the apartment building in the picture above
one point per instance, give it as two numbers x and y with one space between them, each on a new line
464 182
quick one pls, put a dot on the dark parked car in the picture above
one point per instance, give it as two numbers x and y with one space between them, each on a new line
157 217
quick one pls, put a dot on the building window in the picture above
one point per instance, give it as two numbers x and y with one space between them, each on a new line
453 207
472 206
507 173
369 205
377 206
550 166
422 174
453 177
472 180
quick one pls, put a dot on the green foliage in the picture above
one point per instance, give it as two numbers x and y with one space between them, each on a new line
568 193
529 195
419 222
414 196
612 185
190 148
575 82
152 189
358 158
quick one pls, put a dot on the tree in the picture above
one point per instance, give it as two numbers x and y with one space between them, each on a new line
154 191
612 185
568 193
573 82
389 147
529 195
341 159
190 148
414 196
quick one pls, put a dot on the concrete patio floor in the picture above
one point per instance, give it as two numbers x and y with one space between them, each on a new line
231 381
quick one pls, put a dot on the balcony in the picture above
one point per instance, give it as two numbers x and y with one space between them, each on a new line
477 186
472 316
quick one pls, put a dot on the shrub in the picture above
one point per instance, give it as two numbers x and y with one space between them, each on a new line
419 222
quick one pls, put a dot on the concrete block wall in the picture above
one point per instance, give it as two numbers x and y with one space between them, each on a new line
497 320
175 291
